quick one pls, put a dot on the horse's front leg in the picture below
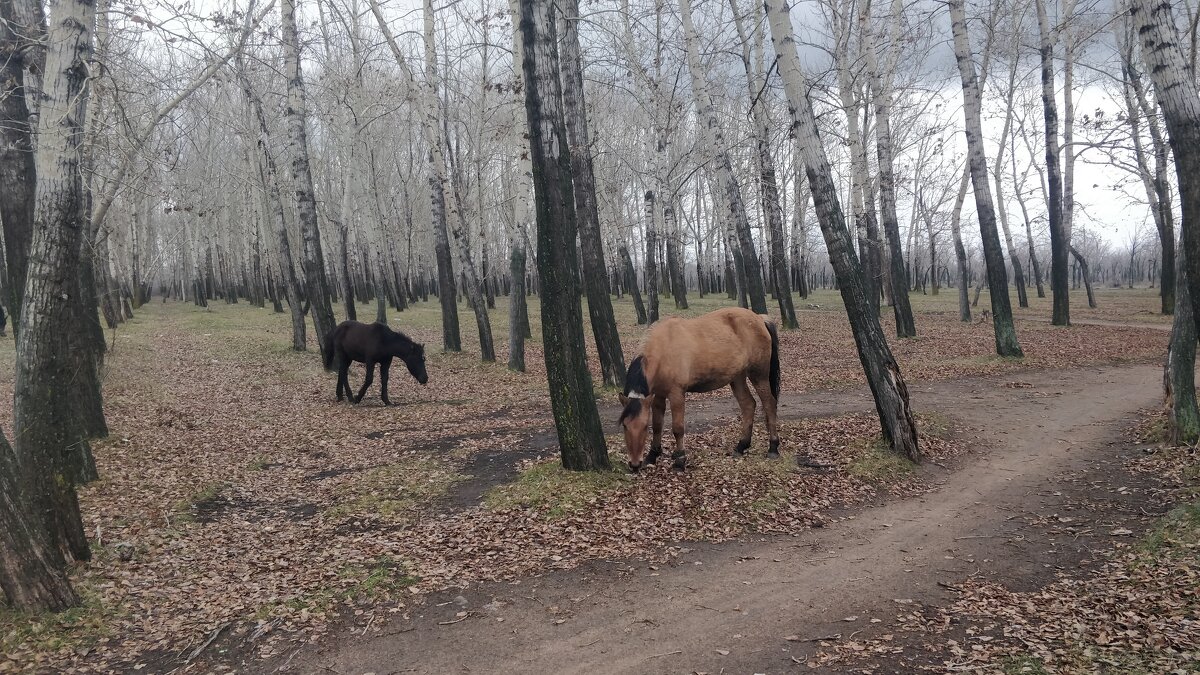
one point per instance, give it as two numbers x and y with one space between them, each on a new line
385 366
343 381
658 410
677 419
367 382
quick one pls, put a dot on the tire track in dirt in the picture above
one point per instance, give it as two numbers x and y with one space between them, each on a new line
729 606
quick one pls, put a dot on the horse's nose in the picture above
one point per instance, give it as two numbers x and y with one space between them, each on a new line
635 467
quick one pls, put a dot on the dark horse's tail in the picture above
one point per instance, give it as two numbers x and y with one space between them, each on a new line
774 358
327 350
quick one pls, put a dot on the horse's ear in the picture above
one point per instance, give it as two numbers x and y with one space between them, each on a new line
623 399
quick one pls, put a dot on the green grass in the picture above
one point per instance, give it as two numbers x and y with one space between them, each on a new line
1178 530
875 463
933 424
395 489
373 583
550 488
185 510
77 628
1023 665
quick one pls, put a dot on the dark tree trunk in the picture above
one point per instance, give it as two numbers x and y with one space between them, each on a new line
1087 277
1002 320
651 259
31 573
580 436
17 171
595 276
1179 376
631 284
1060 242
516 307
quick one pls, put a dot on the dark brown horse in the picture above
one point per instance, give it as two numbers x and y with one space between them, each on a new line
370 344
726 347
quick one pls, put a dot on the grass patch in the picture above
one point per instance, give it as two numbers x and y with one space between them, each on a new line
395 489
372 583
933 424
1023 664
188 509
550 488
1179 529
75 629
875 463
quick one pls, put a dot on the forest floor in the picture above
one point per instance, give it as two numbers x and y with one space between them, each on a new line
242 514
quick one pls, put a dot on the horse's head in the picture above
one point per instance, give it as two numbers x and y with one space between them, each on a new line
635 420
415 360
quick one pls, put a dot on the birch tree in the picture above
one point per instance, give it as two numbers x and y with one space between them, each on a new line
1059 242
1002 320
715 145
1179 99
882 372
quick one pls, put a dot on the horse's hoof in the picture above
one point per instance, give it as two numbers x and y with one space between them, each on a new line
741 448
773 454
678 466
655 453
774 449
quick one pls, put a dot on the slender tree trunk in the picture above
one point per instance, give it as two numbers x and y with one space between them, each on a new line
595 274
516 306
269 177
1002 320
580 436
883 373
1087 277
631 284
714 142
651 257
316 285
1059 241
881 89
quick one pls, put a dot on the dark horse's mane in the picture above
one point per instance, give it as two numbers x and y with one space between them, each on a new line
637 388
395 336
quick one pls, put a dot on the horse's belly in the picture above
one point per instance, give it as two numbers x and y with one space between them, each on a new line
704 386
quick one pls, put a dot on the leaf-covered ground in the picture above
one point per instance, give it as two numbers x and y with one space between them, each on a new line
239 504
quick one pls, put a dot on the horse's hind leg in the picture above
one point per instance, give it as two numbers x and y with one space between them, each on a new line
746 403
343 382
367 382
770 410
658 409
677 418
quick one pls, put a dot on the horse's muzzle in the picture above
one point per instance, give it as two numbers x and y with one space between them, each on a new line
635 467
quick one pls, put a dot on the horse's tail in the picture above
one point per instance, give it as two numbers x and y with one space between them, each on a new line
327 350
774 358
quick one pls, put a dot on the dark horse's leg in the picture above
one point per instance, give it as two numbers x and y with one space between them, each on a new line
367 382
658 409
679 455
343 382
746 403
763 387
384 366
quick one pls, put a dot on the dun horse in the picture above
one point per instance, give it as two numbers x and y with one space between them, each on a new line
370 344
725 347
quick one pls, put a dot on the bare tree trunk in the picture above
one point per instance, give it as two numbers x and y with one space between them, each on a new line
881 88
714 142
882 372
316 285
50 446
1002 321
1060 243
1087 277
18 176
651 257
631 284
1179 368
769 186
580 436
426 101
516 306
31 573
269 176
595 281
998 176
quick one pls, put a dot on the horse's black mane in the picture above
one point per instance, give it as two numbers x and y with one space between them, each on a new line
636 387
396 336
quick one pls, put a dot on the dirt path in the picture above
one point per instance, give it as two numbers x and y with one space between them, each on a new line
727 608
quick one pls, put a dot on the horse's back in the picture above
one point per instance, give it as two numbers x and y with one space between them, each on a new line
709 351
